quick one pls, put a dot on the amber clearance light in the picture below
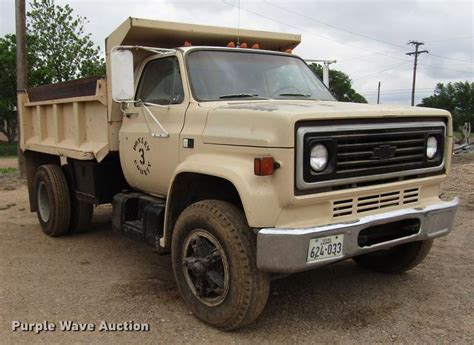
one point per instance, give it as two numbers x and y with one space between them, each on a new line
264 166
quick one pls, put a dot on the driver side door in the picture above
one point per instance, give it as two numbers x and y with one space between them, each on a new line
149 137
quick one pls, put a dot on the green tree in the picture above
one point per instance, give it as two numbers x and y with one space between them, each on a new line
63 47
340 85
457 98
57 50
37 75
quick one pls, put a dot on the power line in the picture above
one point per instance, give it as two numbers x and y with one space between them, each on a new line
332 25
355 33
451 39
448 58
311 32
388 92
441 67
325 37
382 71
361 57
415 54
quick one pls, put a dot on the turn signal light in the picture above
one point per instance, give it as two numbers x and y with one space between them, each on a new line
264 166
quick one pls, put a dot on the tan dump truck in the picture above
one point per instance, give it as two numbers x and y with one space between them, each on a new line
237 160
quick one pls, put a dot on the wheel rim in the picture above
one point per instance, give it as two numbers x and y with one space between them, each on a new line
43 202
205 267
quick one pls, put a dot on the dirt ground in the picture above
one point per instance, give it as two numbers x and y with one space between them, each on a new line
101 275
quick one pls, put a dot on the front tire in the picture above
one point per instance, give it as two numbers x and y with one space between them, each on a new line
397 259
214 262
52 200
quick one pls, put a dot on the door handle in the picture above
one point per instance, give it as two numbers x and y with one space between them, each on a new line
129 115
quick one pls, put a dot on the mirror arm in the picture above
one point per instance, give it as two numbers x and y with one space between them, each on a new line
154 105
149 49
124 105
164 133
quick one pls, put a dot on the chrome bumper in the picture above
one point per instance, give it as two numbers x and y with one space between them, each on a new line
285 250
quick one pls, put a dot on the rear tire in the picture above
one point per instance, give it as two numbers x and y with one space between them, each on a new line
214 263
52 200
397 259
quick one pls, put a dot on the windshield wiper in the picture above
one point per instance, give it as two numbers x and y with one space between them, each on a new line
294 95
239 95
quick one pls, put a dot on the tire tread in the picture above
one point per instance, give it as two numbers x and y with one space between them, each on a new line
60 207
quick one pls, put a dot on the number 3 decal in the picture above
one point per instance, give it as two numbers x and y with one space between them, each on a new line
141 163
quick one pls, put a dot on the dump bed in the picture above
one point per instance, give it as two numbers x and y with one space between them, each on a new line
68 119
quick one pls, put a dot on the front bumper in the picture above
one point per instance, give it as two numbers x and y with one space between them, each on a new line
285 250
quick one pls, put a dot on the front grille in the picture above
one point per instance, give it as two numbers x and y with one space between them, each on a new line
367 203
360 152
368 152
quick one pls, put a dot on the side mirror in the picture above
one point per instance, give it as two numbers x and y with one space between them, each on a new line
123 88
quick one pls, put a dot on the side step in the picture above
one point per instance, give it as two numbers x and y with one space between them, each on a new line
139 216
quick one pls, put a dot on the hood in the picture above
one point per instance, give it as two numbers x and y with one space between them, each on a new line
271 123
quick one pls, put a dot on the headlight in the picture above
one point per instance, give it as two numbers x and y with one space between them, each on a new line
431 147
319 157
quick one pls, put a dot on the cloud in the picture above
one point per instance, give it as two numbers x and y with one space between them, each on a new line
339 29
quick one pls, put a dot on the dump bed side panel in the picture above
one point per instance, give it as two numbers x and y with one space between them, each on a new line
67 119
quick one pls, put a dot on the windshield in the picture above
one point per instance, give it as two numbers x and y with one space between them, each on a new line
223 75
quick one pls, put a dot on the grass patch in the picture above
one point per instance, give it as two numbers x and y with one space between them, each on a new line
8 149
5 171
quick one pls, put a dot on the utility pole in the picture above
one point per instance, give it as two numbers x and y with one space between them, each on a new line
21 71
415 53
326 64
378 94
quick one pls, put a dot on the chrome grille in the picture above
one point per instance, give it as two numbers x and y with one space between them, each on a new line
367 203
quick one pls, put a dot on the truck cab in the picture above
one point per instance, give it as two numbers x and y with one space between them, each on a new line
221 147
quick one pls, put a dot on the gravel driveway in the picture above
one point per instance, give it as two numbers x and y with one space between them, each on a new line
101 275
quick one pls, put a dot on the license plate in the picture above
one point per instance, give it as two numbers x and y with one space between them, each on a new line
325 248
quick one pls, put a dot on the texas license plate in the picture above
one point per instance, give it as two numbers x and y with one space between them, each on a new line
325 248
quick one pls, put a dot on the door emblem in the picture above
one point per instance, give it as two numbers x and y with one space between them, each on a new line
142 164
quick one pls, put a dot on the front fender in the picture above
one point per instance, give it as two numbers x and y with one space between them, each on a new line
257 193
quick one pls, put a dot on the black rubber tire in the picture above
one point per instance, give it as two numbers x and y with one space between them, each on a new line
81 212
249 287
397 259
53 180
